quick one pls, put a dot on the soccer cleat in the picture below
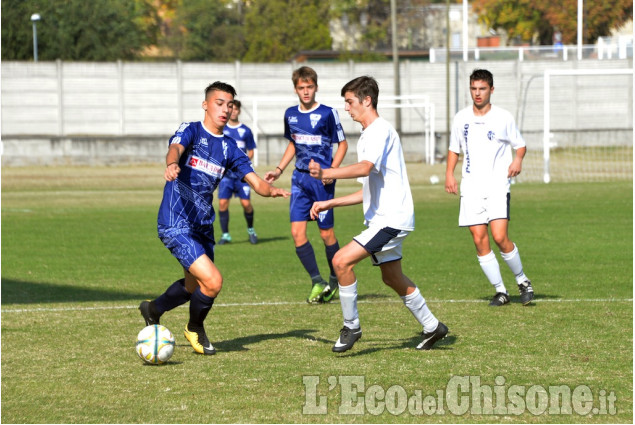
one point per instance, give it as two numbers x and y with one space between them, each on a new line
198 340
330 291
253 237
430 338
316 293
526 292
500 298
347 338
146 312
226 238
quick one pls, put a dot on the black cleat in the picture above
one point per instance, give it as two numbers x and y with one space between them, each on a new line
347 339
430 338
198 340
526 292
500 298
147 312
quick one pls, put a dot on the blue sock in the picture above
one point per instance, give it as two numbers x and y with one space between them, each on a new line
200 305
330 253
249 217
174 296
224 220
307 258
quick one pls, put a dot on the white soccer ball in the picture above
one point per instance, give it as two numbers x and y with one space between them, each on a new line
155 344
434 179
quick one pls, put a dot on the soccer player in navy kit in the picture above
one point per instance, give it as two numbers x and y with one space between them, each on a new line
311 129
231 185
198 157
487 134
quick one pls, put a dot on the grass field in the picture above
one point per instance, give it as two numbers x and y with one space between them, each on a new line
80 251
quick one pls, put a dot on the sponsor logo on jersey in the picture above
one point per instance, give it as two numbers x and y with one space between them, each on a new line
225 149
203 141
315 118
307 139
293 119
466 127
204 166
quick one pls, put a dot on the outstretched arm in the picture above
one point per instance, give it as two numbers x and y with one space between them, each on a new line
289 153
263 188
361 169
352 199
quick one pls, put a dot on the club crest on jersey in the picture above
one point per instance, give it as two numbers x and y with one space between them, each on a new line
491 135
204 166
241 132
315 118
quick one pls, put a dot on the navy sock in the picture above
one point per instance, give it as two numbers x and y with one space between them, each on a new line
250 218
330 253
174 296
200 305
224 220
307 258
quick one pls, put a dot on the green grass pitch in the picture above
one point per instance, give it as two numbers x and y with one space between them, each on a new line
80 251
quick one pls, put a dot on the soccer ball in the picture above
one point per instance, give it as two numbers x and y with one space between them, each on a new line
155 344
434 179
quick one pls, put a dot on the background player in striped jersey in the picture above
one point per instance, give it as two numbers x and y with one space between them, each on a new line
231 184
312 129
487 134
198 156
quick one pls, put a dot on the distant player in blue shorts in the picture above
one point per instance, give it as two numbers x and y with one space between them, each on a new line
231 184
198 157
312 129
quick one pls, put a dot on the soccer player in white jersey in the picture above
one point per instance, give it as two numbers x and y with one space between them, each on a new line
388 214
231 185
312 129
487 134
198 157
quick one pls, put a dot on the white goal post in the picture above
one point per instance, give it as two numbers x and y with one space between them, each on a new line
546 104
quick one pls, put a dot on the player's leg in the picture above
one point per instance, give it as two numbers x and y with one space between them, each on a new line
489 264
343 263
306 255
248 211
225 192
326 223
331 246
509 253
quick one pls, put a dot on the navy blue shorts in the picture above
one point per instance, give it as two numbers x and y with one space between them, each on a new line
305 190
229 186
187 245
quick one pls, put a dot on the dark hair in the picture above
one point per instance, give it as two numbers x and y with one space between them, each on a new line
362 87
237 103
217 85
482 75
304 73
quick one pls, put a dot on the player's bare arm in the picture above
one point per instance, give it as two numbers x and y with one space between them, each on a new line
360 169
289 153
338 158
263 188
172 168
450 181
342 201
517 164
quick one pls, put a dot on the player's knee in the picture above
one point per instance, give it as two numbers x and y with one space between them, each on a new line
340 265
212 286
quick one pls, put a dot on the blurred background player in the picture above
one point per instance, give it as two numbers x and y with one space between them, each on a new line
312 129
487 134
198 156
231 185
388 215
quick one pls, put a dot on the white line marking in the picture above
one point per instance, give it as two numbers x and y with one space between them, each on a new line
274 303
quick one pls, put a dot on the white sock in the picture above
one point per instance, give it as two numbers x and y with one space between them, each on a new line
490 267
348 301
515 265
419 309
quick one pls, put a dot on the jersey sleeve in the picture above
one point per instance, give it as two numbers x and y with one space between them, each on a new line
250 143
455 137
183 136
337 132
239 162
513 133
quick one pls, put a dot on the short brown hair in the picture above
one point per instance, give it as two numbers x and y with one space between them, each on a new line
304 73
362 87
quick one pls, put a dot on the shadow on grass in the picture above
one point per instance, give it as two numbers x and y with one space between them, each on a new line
260 241
515 299
239 344
444 344
22 292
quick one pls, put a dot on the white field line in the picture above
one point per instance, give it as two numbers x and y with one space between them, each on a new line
275 303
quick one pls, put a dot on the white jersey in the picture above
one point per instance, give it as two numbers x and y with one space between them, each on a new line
487 143
387 199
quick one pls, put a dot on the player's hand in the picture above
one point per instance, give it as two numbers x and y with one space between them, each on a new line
172 172
450 184
327 181
317 208
271 176
277 192
514 169
315 170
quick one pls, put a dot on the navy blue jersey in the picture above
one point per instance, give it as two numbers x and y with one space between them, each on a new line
313 133
244 139
187 201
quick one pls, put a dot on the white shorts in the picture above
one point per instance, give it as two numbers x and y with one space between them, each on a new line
382 243
475 211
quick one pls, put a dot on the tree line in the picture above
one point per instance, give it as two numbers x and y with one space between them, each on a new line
258 30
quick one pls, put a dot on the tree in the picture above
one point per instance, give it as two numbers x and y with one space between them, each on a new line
99 30
536 19
275 30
